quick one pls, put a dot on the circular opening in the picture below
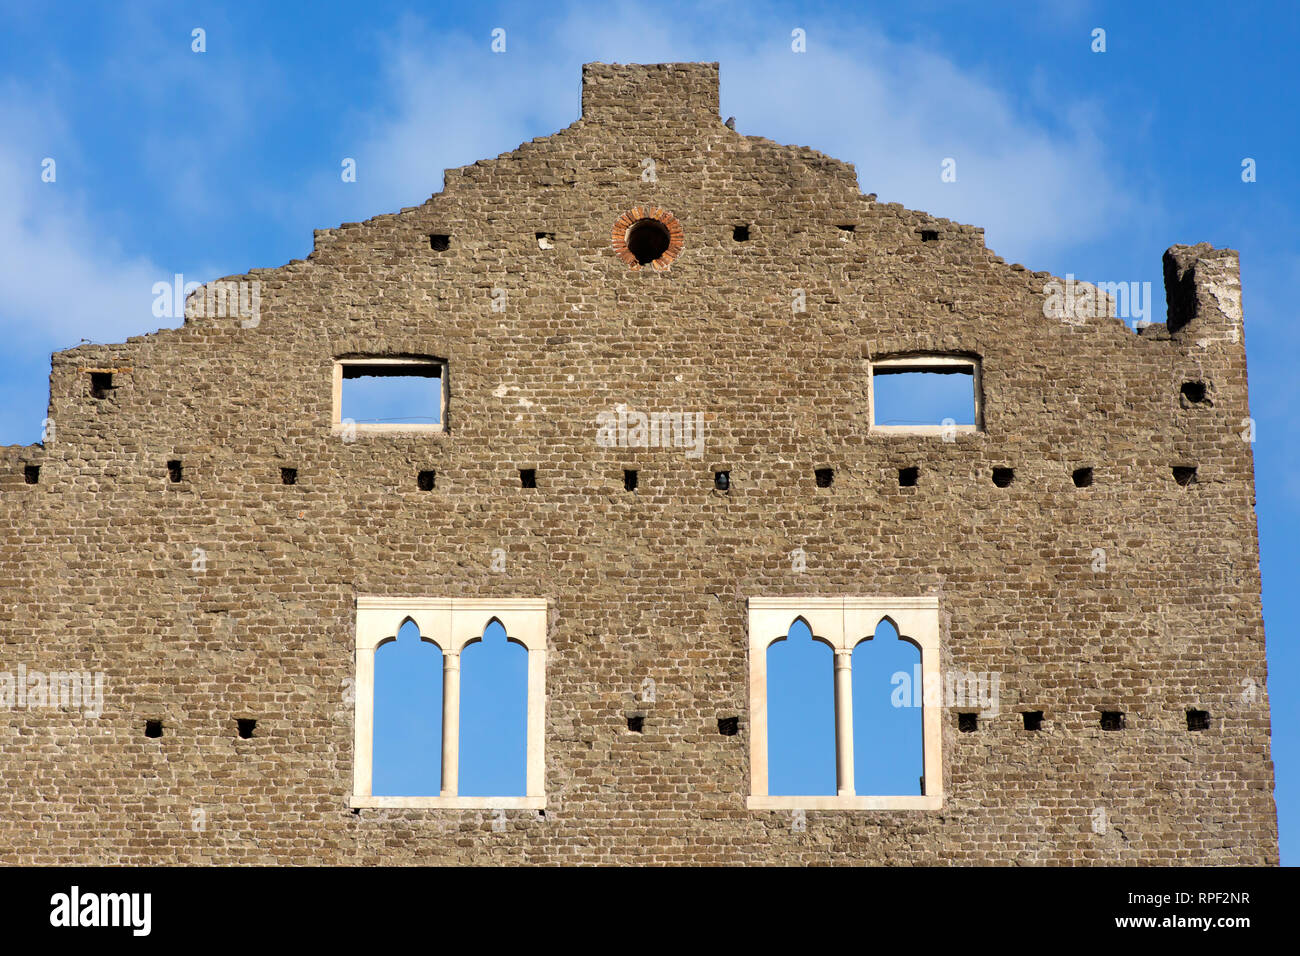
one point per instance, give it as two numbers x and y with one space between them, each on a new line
647 240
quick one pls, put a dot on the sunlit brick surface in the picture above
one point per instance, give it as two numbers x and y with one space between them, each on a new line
99 560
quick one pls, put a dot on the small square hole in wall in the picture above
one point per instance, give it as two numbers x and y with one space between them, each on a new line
968 723
439 242
1033 719
425 480
527 477
31 474
1003 476
825 477
728 726
1082 477
175 472
740 233
1112 720
153 728
545 240
288 476
1194 392
1198 720
101 384
629 479
846 227
722 480
1185 474
636 723
929 235
245 727
907 477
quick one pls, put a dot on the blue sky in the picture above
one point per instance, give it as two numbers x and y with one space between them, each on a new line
170 161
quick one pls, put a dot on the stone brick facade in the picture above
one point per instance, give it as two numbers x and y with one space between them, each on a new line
98 563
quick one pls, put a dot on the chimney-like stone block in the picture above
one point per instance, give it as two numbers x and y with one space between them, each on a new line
646 93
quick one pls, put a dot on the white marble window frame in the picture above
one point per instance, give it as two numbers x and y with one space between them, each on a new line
451 624
843 623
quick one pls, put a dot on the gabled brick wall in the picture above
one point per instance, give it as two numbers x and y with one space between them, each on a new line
97 564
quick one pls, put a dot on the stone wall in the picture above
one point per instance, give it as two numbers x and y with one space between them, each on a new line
98 561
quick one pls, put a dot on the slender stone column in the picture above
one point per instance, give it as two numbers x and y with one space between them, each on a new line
844 722
450 724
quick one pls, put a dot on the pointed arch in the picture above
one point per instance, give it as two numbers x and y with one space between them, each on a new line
801 712
408 619
407 729
495 619
452 625
493 714
849 624
888 752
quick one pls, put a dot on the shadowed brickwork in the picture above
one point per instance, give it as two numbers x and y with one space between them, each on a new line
215 591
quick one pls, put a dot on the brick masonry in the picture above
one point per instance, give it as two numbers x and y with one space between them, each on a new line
96 562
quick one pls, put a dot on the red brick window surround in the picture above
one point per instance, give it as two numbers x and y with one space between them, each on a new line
647 236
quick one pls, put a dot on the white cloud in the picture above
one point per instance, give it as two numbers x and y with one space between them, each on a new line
65 276
1037 182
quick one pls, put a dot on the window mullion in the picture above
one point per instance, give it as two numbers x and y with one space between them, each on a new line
450 723
844 721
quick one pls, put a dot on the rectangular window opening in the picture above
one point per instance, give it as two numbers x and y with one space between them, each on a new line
101 384
527 477
1198 720
1033 719
1112 720
390 394
728 726
929 235
629 479
926 394
439 242
31 474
